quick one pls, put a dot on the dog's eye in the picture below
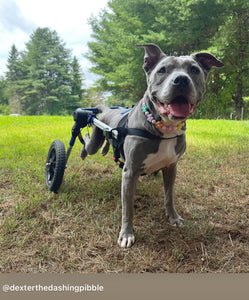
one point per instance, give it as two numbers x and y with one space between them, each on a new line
162 70
195 70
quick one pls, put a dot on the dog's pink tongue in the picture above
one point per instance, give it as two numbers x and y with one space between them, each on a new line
179 109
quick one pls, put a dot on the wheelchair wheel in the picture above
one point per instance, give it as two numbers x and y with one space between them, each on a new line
55 166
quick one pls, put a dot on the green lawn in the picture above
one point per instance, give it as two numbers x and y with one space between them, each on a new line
76 230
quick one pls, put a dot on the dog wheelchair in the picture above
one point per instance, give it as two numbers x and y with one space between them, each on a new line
57 156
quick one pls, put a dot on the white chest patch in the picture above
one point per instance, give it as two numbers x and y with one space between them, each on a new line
164 157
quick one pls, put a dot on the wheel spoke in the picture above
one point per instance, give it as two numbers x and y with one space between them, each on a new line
51 166
52 157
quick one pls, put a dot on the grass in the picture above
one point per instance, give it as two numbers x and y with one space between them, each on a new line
76 230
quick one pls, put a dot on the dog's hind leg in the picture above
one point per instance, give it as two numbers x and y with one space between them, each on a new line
93 143
105 148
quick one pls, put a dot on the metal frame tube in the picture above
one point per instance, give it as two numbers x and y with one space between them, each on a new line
100 124
109 132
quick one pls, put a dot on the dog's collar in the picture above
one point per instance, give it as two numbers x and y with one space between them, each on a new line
159 124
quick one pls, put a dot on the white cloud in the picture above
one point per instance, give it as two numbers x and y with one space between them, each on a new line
18 18
12 17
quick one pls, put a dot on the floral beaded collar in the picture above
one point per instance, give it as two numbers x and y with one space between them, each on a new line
159 124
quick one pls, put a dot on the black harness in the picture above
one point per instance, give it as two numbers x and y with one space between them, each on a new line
123 131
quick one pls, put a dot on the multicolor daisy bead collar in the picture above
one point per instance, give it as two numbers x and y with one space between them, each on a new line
159 124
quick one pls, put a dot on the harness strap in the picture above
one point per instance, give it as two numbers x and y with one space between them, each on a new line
147 134
123 131
118 143
124 121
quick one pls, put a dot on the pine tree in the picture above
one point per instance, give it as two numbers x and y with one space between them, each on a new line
13 75
47 85
13 65
77 90
44 79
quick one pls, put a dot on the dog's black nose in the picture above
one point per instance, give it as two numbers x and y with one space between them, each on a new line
180 81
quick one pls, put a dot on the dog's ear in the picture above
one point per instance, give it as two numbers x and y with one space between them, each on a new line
207 60
152 55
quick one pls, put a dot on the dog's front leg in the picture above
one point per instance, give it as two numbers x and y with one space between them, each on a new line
126 236
169 175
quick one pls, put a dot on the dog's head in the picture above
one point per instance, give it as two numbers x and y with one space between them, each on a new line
176 83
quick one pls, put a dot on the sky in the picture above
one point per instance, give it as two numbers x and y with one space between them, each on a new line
19 18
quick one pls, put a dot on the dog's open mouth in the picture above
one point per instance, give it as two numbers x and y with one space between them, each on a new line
177 108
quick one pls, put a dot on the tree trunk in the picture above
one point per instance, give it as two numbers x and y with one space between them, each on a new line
15 104
238 98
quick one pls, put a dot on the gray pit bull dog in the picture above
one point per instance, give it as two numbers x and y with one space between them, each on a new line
175 86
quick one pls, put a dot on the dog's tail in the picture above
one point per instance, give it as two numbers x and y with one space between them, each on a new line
101 108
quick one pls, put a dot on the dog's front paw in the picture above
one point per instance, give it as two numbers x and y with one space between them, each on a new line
126 240
176 220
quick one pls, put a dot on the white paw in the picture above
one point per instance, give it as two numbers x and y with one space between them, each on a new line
176 221
126 240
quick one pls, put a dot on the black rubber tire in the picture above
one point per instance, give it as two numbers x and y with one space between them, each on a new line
55 166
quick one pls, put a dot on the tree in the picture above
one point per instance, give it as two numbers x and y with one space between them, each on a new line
3 98
13 76
13 65
4 107
231 43
47 85
113 52
77 90
93 97
47 78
